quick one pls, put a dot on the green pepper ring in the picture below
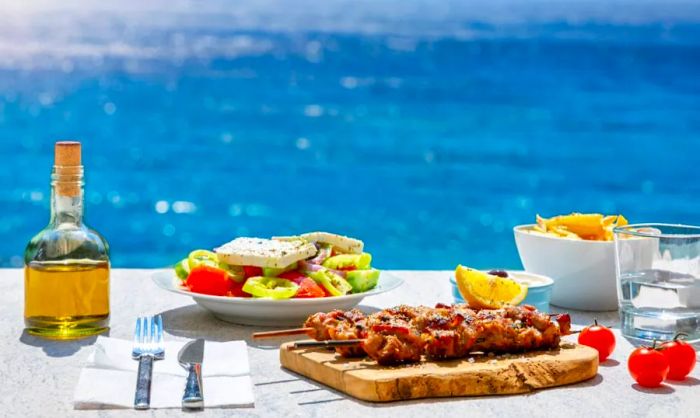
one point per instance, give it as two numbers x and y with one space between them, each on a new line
270 287
335 285
202 257
359 261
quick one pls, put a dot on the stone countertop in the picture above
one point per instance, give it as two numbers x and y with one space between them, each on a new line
39 376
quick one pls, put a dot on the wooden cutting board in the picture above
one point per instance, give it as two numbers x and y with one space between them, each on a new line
500 375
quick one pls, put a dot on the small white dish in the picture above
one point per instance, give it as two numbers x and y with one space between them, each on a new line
267 312
583 271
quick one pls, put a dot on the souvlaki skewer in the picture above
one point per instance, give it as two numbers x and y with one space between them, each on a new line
405 334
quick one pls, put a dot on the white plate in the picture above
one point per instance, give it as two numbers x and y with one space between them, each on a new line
267 312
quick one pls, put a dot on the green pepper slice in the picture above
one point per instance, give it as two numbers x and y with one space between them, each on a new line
202 257
274 272
182 269
334 284
363 280
235 273
270 287
343 261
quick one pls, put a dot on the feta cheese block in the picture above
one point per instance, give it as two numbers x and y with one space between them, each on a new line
341 242
262 252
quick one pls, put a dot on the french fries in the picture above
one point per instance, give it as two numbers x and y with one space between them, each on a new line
584 226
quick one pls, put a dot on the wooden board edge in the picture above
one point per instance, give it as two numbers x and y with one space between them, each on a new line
350 385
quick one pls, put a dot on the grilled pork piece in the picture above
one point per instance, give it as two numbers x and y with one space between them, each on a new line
338 325
391 340
446 332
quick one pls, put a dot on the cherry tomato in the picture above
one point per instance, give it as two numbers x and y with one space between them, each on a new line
252 271
648 366
209 280
308 288
681 357
599 337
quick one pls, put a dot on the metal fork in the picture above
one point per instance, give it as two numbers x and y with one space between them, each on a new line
148 347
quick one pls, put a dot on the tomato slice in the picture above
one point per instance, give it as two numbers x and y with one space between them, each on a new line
252 271
292 275
309 289
307 286
209 281
237 291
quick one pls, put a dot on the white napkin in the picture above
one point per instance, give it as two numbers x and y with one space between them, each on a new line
109 378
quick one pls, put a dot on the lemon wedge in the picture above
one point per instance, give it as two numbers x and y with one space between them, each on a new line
485 291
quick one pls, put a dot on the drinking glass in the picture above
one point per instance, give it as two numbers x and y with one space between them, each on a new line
658 280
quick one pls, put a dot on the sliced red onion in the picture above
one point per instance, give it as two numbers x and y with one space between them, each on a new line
324 252
305 266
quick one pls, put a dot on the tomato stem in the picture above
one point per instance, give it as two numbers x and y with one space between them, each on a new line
679 335
595 321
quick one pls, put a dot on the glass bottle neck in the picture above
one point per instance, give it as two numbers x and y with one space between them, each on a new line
67 195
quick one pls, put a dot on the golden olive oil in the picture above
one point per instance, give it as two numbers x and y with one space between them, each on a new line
66 300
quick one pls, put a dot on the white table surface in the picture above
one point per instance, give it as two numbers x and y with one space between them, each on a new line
39 376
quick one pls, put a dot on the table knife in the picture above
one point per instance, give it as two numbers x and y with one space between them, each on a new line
190 357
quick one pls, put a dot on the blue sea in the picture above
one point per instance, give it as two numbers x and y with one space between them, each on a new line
426 129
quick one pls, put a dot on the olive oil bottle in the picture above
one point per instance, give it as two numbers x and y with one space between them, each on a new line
66 273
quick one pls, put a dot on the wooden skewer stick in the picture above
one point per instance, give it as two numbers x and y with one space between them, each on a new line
281 333
327 343
346 343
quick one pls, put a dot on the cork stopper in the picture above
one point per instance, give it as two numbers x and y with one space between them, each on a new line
67 154
68 171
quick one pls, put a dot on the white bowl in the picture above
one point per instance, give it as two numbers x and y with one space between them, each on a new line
267 312
583 271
